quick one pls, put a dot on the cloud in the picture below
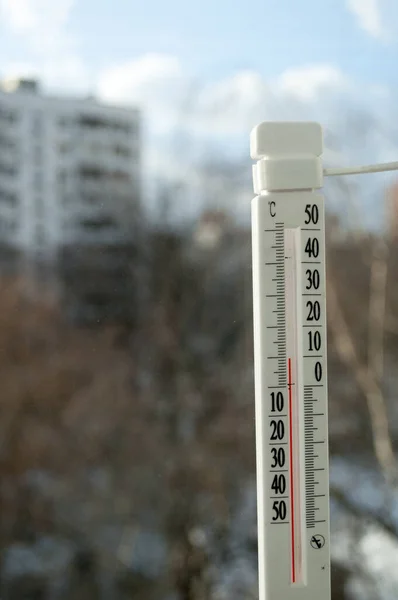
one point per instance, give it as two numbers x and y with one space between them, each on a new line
187 117
138 80
235 104
42 22
65 74
310 82
215 118
369 15
227 107
171 99
29 15
228 102
42 28
155 82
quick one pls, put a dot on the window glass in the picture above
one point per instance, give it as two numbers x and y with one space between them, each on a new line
127 404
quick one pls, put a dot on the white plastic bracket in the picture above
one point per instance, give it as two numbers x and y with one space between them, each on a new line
288 155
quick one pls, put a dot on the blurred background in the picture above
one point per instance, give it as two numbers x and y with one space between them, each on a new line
127 448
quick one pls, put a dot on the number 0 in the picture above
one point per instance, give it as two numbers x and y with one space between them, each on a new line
318 371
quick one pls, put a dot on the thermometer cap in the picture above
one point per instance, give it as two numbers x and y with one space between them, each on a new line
288 155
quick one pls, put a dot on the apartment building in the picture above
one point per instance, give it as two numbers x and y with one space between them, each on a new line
69 177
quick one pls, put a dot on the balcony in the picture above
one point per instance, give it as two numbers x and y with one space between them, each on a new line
99 122
94 227
91 172
98 223
97 179
7 143
95 171
8 169
108 155
8 198
8 116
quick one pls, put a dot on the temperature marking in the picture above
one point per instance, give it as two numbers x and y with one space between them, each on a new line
291 396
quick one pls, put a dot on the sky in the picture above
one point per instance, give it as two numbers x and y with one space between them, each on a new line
213 69
86 45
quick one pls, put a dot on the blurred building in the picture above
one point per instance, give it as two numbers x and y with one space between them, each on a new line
69 180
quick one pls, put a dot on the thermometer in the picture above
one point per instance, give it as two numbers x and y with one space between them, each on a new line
288 229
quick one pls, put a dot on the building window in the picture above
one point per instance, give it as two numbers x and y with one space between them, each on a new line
92 122
101 122
7 169
95 148
37 123
7 115
37 154
121 176
7 143
63 147
40 234
93 199
99 224
38 180
92 172
62 178
120 150
39 207
9 198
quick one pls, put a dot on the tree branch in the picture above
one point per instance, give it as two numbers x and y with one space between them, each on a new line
367 383
361 512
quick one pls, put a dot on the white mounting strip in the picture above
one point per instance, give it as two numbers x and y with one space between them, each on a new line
380 168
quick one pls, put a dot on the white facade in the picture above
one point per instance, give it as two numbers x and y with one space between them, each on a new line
69 171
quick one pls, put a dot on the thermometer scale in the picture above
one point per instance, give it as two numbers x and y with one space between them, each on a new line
289 300
289 283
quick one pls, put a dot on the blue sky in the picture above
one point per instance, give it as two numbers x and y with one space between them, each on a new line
211 38
251 60
215 68
215 37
